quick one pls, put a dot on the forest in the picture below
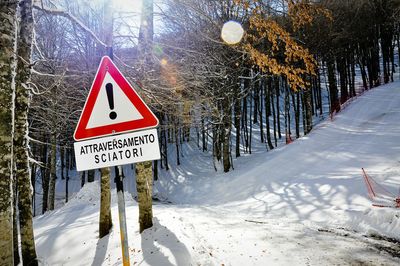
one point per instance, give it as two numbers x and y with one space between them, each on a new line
299 62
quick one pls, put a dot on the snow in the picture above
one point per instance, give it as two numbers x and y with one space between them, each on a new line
302 204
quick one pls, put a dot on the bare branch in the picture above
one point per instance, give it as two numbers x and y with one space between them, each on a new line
73 19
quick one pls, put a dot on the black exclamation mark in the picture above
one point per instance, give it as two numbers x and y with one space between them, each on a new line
110 97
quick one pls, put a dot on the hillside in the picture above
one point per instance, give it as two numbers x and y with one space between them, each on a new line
313 211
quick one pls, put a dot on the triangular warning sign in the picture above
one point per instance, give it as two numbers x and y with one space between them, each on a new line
112 106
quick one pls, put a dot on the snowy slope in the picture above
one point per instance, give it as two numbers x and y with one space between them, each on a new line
317 177
302 204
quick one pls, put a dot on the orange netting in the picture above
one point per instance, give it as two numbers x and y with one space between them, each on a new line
380 196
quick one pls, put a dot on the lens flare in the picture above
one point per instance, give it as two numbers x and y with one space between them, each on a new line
164 62
232 32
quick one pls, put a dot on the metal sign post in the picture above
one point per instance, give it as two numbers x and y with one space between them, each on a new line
122 215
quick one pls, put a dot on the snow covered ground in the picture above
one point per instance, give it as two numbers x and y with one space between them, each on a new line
302 204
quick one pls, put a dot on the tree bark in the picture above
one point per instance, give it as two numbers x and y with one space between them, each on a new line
7 62
144 182
237 116
90 176
287 117
144 187
260 109
296 107
83 178
62 159
226 135
17 258
333 91
53 177
278 111
67 165
308 110
105 221
274 119
21 144
267 98
45 175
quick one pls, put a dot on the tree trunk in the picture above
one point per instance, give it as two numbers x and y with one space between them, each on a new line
333 91
144 176
287 117
53 176
144 187
319 93
90 176
308 110
244 125
83 177
353 75
341 66
237 126
251 124
274 119
363 73
45 175
267 97
176 134
67 164
17 258
226 135
256 100
296 107
21 144
155 170
278 116
203 133
7 62
260 109
62 159
105 220
33 180
165 149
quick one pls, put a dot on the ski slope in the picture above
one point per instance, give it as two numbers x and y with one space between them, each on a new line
302 204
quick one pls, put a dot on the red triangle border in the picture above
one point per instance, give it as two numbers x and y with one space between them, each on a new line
149 120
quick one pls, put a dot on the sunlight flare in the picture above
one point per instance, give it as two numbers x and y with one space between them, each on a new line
232 32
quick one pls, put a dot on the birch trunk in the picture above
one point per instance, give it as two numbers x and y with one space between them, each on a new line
7 62
17 258
21 134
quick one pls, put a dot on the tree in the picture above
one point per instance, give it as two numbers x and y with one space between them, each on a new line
105 220
21 145
144 177
8 10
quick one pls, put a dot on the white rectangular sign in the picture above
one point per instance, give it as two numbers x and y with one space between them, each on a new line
117 150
